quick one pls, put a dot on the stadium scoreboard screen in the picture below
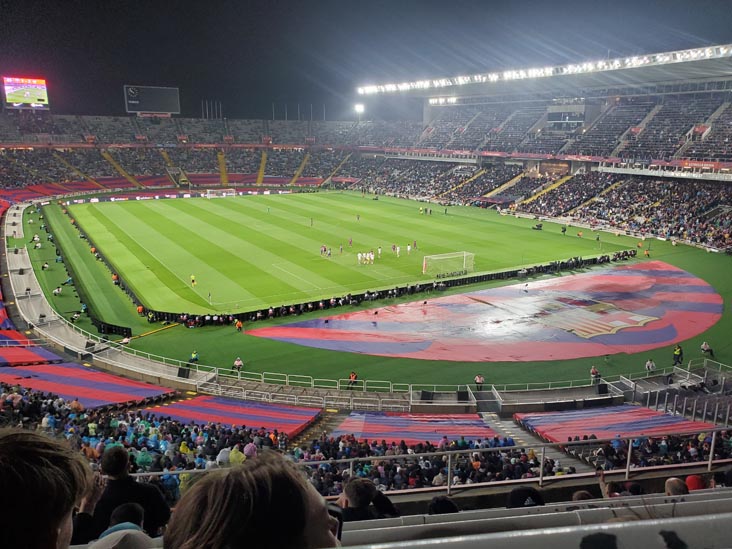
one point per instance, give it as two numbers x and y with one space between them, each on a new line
25 93
139 99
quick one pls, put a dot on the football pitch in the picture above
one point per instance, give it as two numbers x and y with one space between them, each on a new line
253 252
240 248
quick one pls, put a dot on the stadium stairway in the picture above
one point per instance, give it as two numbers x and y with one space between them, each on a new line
120 170
325 424
603 192
166 158
522 437
300 168
262 166
338 168
623 139
551 187
462 183
223 174
508 184
74 169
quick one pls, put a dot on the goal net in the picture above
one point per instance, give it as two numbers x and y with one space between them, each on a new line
220 193
445 265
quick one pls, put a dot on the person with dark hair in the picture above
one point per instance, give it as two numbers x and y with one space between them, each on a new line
265 503
524 496
125 529
442 505
361 500
121 488
44 479
582 495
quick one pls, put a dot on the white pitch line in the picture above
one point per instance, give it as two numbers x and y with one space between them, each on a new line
276 266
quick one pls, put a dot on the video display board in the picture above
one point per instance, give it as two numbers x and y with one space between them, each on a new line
25 93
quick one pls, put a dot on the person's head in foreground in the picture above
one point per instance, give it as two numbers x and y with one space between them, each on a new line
45 479
524 496
265 503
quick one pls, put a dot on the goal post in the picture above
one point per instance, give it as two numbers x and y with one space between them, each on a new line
450 264
220 193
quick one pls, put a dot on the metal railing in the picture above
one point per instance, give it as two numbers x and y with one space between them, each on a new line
451 460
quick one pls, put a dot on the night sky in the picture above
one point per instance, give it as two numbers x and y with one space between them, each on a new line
250 54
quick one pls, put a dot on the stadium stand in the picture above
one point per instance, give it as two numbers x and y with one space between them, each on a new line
413 428
578 190
647 206
717 144
664 133
290 420
69 380
607 422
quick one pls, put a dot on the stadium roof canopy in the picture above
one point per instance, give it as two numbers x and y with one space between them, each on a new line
698 65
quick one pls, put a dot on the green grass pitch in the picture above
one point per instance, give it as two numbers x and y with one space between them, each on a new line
259 251
256 252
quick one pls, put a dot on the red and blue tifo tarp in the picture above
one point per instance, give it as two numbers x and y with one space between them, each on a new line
240 413
19 355
619 308
69 381
413 428
608 422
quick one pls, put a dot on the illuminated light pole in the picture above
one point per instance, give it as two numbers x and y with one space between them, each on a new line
359 108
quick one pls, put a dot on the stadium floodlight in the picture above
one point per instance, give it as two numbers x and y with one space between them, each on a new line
360 109
710 52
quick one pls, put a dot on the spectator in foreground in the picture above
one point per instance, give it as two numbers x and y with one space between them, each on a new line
125 530
357 499
265 503
524 496
442 505
45 479
675 487
121 488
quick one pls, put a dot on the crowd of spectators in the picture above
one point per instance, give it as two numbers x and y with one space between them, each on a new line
194 160
603 137
695 211
649 451
475 134
508 136
160 444
201 130
322 163
140 161
288 132
666 131
525 187
408 178
23 167
109 129
570 194
717 145
543 141
243 160
500 126
158 131
449 124
284 163
492 177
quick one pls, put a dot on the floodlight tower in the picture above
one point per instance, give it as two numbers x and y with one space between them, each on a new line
359 108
